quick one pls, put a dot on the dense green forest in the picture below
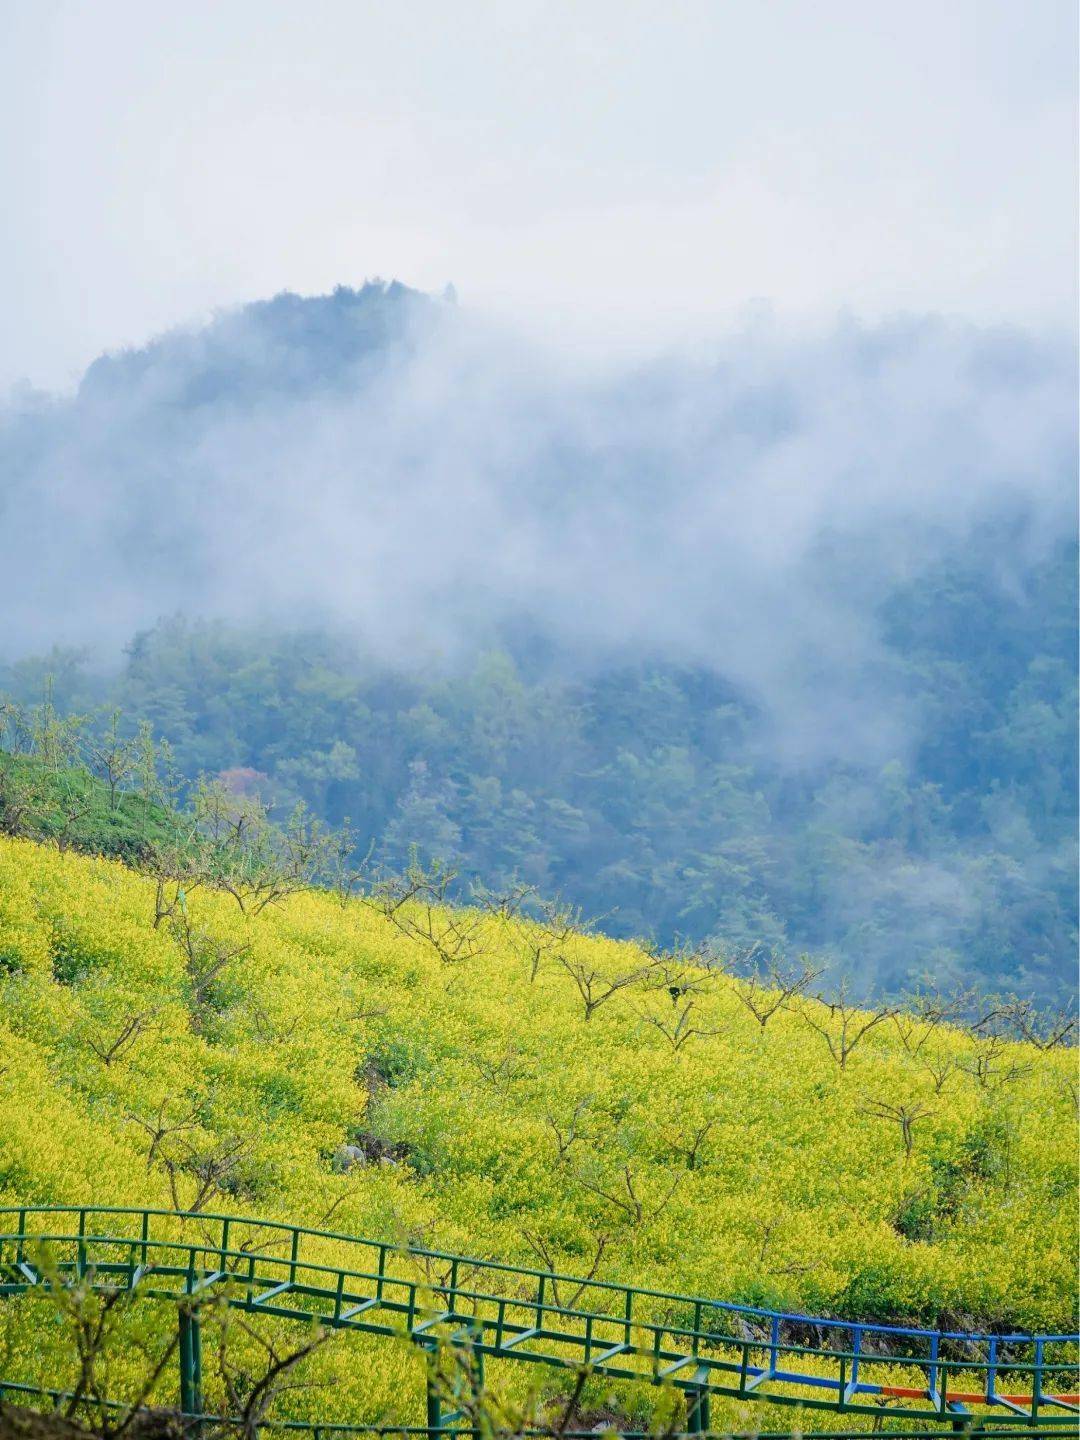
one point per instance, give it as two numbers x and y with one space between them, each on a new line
774 645
650 794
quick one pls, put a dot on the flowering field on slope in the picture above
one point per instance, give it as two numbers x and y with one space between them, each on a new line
315 1063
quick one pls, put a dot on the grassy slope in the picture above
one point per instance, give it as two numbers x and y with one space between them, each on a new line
334 1023
72 803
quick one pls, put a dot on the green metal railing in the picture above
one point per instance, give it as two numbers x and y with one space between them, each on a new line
206 1422
702 1347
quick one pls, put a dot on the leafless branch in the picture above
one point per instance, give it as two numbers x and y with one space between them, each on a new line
109 1051
848 1023
540 1248
594 987
906 1116
626 1199
771 984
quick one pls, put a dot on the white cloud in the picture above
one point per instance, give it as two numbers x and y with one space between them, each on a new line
613 173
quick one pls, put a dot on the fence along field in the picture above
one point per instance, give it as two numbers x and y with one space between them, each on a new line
498 1310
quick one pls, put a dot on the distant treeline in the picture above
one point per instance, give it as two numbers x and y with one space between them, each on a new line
650 795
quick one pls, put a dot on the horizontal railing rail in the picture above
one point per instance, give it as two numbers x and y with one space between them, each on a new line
502 1267
318 1428
620 1331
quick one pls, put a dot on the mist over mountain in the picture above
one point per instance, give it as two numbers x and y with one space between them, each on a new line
376 460
829 577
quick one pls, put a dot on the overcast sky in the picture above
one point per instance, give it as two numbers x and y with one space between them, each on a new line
613 172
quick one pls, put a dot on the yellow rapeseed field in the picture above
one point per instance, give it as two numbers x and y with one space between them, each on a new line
686 1149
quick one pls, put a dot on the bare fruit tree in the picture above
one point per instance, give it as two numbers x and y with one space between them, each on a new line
842 1022
552 926
250 1398
569 1132
678 1031
924 1011
543 1252
1046 1027
257 862
516 898
595 987
906 1116
940 1069
114 1045
345 875
676 981
769 984
628 1198
990 1064
114 757
419 903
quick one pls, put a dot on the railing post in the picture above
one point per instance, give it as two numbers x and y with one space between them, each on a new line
434 1401
191 1401
697 1411
856 1351
476 1356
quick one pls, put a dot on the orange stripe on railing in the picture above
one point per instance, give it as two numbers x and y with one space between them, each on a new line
972 1398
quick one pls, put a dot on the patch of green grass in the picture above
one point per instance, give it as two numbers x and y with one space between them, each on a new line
70 807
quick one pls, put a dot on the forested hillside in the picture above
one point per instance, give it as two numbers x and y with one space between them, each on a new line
774 645
651 794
